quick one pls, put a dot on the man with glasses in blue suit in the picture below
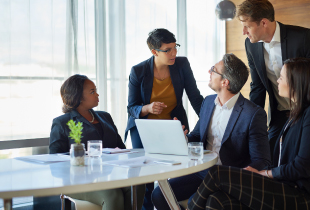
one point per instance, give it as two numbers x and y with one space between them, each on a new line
229 125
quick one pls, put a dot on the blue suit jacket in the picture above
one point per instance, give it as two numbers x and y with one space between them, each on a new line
295 156
141 84
245 141
59 138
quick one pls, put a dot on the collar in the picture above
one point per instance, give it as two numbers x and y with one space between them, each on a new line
230 103
276 36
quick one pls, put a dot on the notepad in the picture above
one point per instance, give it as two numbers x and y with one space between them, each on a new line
114 151
47 158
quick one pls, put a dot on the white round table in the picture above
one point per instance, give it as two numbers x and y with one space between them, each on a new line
20 178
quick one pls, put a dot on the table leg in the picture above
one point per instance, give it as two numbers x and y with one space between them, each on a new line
66 202
134 197
7 203
62 198
168 194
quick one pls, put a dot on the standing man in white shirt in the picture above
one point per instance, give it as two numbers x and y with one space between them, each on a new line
229 125
268 45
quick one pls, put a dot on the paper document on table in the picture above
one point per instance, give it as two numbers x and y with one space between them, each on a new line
114 151
138 162
47 158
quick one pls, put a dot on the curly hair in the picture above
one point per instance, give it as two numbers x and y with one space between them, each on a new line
235 71
71 92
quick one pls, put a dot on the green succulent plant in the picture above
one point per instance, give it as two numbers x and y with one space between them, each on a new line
75 131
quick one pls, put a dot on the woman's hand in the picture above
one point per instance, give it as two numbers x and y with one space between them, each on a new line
183 127
249 168
156 107
153 108
263 172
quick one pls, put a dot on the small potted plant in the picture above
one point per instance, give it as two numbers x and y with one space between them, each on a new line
77 151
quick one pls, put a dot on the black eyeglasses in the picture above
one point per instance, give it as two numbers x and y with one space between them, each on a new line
177 46
212 70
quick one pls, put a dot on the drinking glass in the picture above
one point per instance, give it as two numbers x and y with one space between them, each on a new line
94 148
195 150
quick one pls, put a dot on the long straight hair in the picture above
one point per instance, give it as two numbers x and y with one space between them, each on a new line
298 77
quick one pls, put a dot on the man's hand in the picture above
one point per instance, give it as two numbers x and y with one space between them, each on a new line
183 127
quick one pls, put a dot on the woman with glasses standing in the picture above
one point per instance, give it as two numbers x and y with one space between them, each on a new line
156 88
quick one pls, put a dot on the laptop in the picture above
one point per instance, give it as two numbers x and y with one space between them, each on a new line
162 136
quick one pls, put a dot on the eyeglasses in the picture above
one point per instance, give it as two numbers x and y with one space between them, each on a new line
212 70
169 51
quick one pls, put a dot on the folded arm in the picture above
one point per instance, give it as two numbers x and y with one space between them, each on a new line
258 141
299 167
258 90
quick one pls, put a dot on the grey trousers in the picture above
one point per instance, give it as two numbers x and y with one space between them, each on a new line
113 199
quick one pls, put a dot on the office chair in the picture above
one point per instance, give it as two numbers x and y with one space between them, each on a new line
78 204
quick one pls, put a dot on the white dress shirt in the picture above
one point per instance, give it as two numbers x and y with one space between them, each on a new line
273 62
218 124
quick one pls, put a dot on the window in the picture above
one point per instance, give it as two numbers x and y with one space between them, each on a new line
42 43
37 53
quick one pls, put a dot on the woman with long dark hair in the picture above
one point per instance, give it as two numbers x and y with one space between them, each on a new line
79 96
285 185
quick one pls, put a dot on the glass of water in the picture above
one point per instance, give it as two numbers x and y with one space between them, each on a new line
94 148
195 150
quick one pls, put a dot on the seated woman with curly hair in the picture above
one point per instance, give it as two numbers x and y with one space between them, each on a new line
79 96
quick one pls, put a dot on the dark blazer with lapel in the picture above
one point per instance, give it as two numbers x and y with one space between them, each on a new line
141 84
59 138
295 42
295 156
245 141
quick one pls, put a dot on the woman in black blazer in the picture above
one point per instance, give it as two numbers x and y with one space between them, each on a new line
79 95
156 89
150 76
286 184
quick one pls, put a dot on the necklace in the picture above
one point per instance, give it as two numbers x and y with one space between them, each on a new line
92 116
161 78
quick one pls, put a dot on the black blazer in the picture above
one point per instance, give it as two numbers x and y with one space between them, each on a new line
59 138
141 84
295 42
295 156
245 141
